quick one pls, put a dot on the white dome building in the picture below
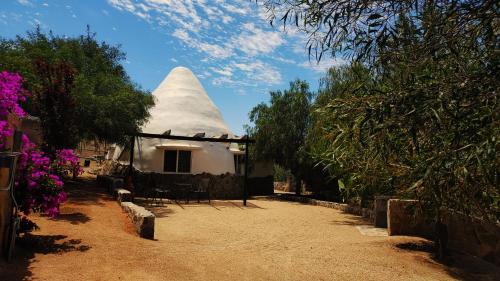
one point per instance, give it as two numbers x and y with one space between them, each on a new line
183 108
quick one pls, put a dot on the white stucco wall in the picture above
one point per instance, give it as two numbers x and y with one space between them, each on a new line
183 106
212 158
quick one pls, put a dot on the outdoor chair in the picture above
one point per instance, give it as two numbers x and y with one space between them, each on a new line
156 192
160 193
202 188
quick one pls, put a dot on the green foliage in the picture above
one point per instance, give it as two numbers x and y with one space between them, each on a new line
56 105
281 174
420 117
281 127
107 105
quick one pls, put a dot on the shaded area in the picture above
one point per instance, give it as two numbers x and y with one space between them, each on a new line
85 192
74 218
28 245
351 220
458 265
159 211
51 244
81 192
153 206
427 246
162 210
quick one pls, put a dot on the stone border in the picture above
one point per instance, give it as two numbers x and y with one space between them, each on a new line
122 195
142 219
110 182
355 210
465 234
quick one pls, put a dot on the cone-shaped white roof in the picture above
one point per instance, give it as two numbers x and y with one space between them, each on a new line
183 106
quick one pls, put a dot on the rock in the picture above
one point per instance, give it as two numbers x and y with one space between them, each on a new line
122 195
403 219
380 211
143 220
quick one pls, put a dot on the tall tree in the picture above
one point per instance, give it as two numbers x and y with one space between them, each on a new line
56 105
107 104
428 126
281 126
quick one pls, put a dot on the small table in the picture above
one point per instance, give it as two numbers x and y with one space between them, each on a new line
160 192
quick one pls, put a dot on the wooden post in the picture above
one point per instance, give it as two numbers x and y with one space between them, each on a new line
131 160
245 187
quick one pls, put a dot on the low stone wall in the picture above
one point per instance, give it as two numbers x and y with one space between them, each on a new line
143 220
474 236
110 183
281 186
122 195
402 219
465 234
355 210
226 186
380 210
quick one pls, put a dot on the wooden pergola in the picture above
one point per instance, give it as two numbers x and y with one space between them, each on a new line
243 140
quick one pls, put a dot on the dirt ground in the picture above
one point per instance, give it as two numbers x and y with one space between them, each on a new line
267 240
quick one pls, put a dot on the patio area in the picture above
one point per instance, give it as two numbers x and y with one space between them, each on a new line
266 240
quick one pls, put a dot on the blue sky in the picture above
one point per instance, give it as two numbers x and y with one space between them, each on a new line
229 45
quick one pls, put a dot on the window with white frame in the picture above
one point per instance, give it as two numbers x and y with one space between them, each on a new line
177 161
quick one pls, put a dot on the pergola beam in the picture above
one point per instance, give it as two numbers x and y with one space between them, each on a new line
244 140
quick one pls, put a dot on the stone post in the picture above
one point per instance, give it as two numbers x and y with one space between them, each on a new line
380 210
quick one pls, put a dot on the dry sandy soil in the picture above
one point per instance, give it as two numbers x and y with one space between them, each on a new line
268 240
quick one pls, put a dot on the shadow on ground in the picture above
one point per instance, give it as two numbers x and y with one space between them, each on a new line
28 245
50 244
163 209
459 265
73 218
80 192
86 191
352 220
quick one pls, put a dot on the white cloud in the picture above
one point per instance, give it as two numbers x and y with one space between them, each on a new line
213 50
233 52
260 72
254 41
283 60
242 10
226 71
25 2
224 80
182 34
226 19
324 64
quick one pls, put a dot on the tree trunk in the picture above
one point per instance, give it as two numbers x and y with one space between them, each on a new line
298 185
441 240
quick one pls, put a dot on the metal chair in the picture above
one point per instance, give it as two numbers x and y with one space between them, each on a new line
161 193
203 187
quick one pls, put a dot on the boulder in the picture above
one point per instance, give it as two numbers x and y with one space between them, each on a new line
142 219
